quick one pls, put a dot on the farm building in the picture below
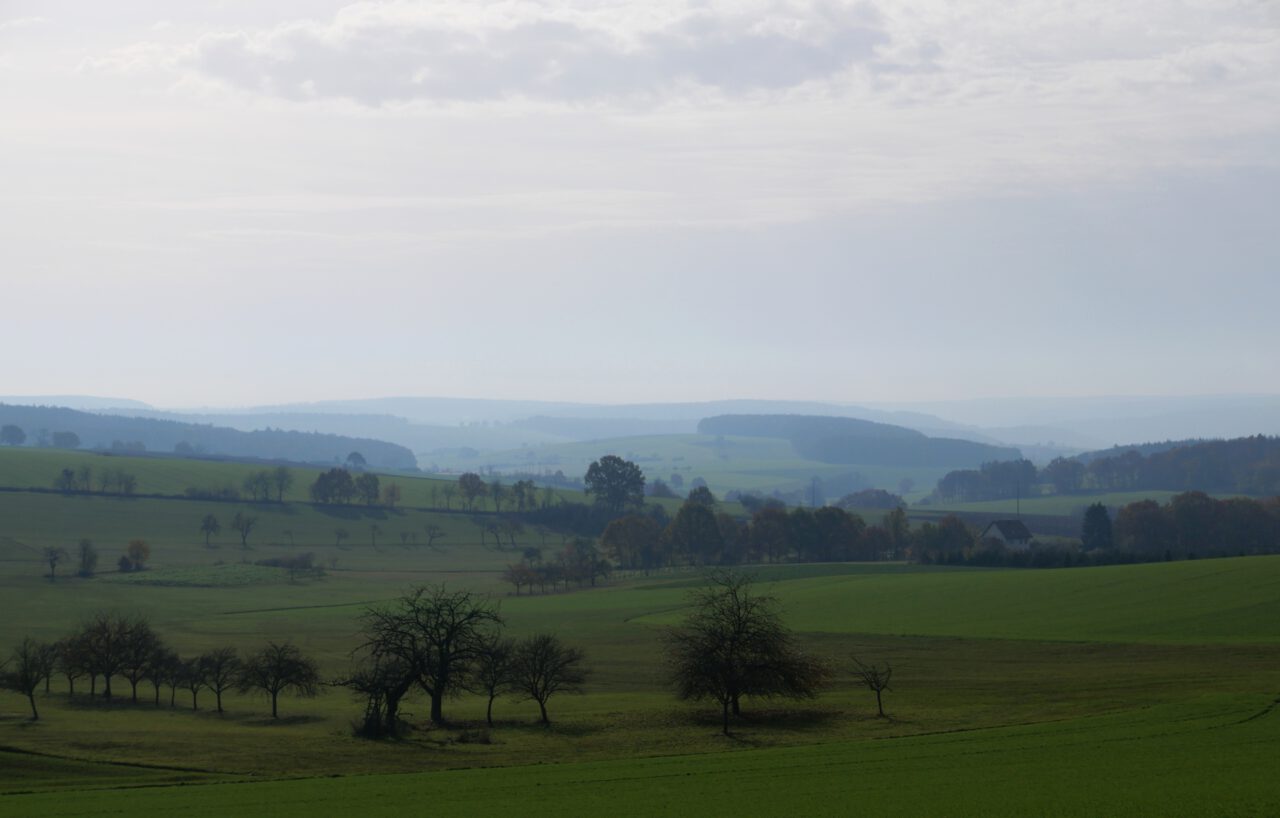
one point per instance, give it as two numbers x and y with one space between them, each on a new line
1013 533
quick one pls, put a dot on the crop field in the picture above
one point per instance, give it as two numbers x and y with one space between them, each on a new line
1132 689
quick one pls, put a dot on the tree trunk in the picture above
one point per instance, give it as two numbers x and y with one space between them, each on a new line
31 697
93 684
437 707
157 694
488 713
737 709
542 705
724 712
134 697
194 694
274 696
106 686
218 695
71 686
879 706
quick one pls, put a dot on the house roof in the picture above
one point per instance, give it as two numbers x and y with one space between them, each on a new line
1010 529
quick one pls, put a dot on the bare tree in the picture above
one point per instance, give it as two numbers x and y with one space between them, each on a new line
391 495
434 633
28 665
733 644
543 666
192 674
340 534
209 526
874 678
88 558
54 555
222 670
164 668
492 671
103 640
282 479
276 668
433 532
138 647
71 660
243 525
473 488
382 680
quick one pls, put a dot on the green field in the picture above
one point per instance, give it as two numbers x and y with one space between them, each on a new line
751 464
1137 689
26 468
1213 757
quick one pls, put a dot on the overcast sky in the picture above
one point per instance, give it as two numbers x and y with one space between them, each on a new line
241 202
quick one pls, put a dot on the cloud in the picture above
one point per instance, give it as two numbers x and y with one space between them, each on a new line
18 23
377 53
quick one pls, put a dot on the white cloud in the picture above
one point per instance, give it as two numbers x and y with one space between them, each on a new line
18 23
379 53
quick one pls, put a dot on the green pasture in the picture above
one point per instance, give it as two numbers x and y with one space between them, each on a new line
1010 689
26 467
1058 505
963 672
1214 755
29 522
726 463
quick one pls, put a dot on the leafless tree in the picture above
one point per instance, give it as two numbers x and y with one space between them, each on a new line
243 525
54 555
543 666
492 672
432 633
276 668
28 665
433 532
874 678
733 644
139 645
222 670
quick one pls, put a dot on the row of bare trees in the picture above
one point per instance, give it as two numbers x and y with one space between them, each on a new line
111 646
578 562
82 479
440 642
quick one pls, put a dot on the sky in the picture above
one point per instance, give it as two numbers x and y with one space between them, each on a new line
241 203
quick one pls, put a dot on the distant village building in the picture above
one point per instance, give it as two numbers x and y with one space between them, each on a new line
1013 533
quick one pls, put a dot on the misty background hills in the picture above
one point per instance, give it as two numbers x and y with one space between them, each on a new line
462 433
1044 426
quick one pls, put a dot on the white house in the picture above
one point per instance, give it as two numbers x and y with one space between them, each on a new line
1013 533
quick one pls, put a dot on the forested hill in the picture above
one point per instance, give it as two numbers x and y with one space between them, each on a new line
39 424
853 441
1144 449
1248 465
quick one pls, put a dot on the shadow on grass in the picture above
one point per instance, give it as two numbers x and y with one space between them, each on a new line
744 728
260 720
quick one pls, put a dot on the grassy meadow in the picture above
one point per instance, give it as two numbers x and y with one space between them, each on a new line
725 462
1135 689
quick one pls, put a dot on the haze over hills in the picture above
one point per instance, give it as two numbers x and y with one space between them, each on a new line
1041 428
114 432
